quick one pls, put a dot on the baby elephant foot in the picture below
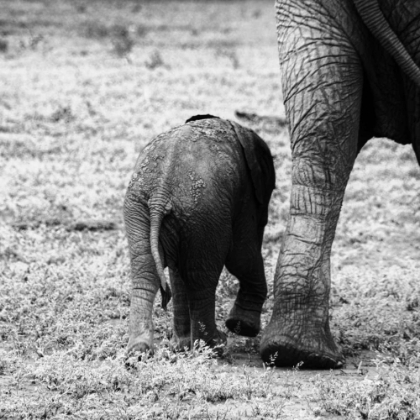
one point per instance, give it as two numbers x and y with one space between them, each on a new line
219 339
244 322
181 343
218 342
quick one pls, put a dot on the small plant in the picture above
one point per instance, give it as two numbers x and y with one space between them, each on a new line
229 53
4 45
63 113
96 30
155 61
35 40
122 40
142 30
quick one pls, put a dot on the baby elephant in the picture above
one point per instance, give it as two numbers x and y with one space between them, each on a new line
198 200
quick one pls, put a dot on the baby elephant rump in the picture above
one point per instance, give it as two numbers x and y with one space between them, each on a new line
198 201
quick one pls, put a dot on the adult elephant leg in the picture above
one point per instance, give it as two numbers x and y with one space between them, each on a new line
144 277
322 85
248 267
181 308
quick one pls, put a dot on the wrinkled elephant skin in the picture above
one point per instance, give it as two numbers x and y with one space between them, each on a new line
198 200
349 72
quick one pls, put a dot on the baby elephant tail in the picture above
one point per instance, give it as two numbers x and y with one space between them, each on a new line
157 213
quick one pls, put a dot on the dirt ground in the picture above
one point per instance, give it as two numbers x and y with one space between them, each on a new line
85 85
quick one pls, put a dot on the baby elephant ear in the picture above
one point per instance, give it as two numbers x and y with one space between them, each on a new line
255 150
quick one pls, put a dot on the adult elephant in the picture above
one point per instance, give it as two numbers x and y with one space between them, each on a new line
350 72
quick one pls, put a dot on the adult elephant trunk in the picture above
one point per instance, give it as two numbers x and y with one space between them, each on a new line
374 19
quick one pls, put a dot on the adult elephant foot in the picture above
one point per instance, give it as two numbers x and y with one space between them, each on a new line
244 322
140 345
299 328
288 345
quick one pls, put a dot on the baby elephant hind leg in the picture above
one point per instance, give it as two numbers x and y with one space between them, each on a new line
201 267
202 314
245 316
182 321
144 277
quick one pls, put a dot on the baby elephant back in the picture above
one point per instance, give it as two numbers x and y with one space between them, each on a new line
195 164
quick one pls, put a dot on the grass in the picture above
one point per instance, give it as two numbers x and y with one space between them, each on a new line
391 394
184 383
85 85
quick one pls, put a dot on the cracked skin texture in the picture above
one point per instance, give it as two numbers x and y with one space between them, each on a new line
340 88
202 155
211 180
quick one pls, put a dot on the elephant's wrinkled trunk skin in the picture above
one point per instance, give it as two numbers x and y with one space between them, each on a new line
374 19
158 210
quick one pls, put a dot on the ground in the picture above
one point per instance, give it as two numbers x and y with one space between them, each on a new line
85 85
